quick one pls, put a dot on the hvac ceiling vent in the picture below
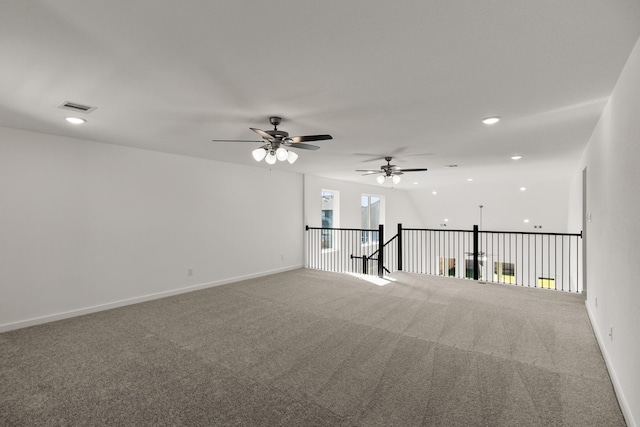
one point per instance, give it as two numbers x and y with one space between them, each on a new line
74 106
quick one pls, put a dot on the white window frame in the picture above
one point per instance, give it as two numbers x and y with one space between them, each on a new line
380 215
335 220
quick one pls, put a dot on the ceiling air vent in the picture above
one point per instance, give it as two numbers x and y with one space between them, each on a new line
74 106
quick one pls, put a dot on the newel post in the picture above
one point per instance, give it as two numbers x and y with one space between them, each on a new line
380 250
476 269
399 247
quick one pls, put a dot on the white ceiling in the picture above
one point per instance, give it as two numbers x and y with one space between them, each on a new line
404 78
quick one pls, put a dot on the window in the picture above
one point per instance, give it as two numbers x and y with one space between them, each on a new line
371 211
329 217
469 268
547 282
448 267
504 272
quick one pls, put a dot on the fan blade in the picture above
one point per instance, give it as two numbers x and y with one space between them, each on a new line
419 154
411 170
368 172
303 146
262 134
297 139
233 140
395 154
375 159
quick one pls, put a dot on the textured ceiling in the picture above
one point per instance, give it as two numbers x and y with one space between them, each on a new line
409 78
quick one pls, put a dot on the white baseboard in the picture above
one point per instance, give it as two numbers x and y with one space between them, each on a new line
624 406
115 304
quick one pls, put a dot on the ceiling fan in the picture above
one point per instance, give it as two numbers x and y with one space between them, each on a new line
389 171
397 153
276 141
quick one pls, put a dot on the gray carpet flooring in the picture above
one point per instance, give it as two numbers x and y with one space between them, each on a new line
311 348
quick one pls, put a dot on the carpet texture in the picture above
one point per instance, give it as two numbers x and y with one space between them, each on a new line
311 348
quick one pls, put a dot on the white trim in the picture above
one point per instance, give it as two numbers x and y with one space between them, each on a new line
121 303
624 406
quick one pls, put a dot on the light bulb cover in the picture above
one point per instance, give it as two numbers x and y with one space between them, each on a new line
396 179
75 120
380 179
491 120
282 154
259 154
271 158
292 157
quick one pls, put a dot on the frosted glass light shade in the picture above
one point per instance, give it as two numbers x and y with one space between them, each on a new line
259 154
292 157
281 154
491 120
271 158
380 179
75 120
396 179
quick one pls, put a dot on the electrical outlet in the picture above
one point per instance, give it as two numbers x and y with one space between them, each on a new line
611 332
190 272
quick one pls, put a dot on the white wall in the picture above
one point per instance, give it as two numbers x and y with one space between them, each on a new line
544 203
398 206
613 235
86 225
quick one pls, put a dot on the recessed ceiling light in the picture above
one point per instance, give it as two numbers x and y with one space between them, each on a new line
491 120
523 188
516 157
446 220
469 179
526 220
415 183
76 120
434 192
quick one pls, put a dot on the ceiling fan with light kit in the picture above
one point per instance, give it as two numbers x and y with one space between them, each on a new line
390 171
277 142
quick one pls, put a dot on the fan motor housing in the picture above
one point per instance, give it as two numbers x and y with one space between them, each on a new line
277 134
275 120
